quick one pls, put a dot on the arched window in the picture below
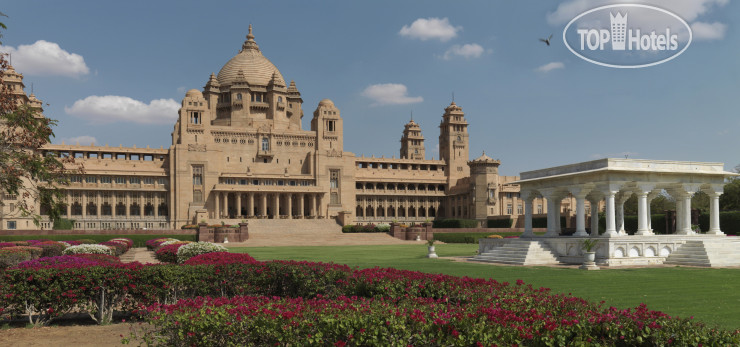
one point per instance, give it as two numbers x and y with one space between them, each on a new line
359 211
238 96
280 99
265 144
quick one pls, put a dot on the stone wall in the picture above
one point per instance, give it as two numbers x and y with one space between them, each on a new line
423 232
97 232
220 234
485 230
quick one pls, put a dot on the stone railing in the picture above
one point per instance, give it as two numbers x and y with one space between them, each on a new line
420 232
220 234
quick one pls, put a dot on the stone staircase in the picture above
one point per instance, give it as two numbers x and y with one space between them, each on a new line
520 252
706 253
294 226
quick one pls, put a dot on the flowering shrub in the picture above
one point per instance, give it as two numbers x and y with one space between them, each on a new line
494 237
100 258
88 249
154 243
168 253
383 227
220 258
12 256
72 242
116 247
190 250
21 243
64 261
34 251
51 248
172 242
7 244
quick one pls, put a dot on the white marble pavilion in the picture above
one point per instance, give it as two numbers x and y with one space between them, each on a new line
615 181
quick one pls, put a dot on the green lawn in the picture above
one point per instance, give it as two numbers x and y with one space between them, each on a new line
709 295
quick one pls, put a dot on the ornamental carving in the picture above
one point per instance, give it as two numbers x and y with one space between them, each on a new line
333 153
196 148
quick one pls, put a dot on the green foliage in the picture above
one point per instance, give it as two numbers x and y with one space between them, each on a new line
729 222
539 222
500 223
197 248
589 244
730 199
63 224
12 256
368 228
139 239
455 223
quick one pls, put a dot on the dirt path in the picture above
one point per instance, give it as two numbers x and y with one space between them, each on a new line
72 335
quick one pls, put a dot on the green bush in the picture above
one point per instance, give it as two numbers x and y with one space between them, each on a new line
539 222
51 249
455 223
500 223
63 224
138 239
729 222
192 249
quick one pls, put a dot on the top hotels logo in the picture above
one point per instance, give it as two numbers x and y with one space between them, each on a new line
627 36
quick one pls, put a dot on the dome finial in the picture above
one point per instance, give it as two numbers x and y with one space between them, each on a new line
250 44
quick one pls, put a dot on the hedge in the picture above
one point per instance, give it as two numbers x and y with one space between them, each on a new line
500 223
455 223
729 222
63 224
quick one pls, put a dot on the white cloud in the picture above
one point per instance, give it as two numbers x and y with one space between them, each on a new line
430 28
468 51
83 140
390 94
708 31
689 10
551 66
112 108
181 90
46 58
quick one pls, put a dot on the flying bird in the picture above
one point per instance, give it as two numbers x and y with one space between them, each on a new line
547 41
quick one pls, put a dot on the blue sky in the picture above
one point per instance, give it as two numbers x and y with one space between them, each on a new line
115 72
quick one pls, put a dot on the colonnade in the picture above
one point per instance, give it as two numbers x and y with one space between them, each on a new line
267 205
615 196
100 203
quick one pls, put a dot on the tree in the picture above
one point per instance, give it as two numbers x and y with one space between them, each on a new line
730 199
26 173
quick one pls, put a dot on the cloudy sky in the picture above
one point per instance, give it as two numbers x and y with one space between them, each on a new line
115 73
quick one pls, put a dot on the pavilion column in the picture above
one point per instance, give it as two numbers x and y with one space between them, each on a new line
250 204
611 229
216 203
679 212
643 218
683 203
620 200
238 204
226 206
289 204
595 217
650 198
276 206
714 212
263 205
528 197
550 195
580 194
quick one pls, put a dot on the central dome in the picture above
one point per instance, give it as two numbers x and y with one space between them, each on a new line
257 69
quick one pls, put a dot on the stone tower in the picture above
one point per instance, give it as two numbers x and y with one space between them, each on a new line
412 142
484 186
453 143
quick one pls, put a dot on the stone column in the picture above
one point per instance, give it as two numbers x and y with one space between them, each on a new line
84 205
156 205
611 229
312 205
620 199
300 205
714 212
528 197
320 208
643 218
250 204
276 206
686 217
595 217
650 198
217 207
127 203
97 203
69 204
226 205
289 203
238 204
549 195
580 194
263 205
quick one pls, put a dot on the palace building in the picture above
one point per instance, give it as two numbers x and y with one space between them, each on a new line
240 150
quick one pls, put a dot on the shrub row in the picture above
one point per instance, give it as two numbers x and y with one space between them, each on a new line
473 237
139 240
369 228
13 253
729 222
500 223
455 223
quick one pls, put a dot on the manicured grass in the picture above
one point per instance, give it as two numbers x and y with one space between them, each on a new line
709 295
139 240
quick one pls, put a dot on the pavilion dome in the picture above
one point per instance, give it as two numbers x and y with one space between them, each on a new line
249 62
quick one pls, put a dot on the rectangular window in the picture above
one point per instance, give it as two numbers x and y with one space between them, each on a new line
281 183
256 182
148 180
105 179
292 183
135 180
11 225
120 180
75 179
334 179
243 182
162 181
508 195
519 209
509 209
539 209
197 175
90 179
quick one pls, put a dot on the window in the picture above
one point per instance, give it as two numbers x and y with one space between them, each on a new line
256 182
197 195
120 180
105 179
75 179
243 182
508 195
519 209
265 144
334 179
195 118
281 183
334 198
162 181
135 180
197 175
148 180
280 99
239 96
331 125
539 209
11 224
90 179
